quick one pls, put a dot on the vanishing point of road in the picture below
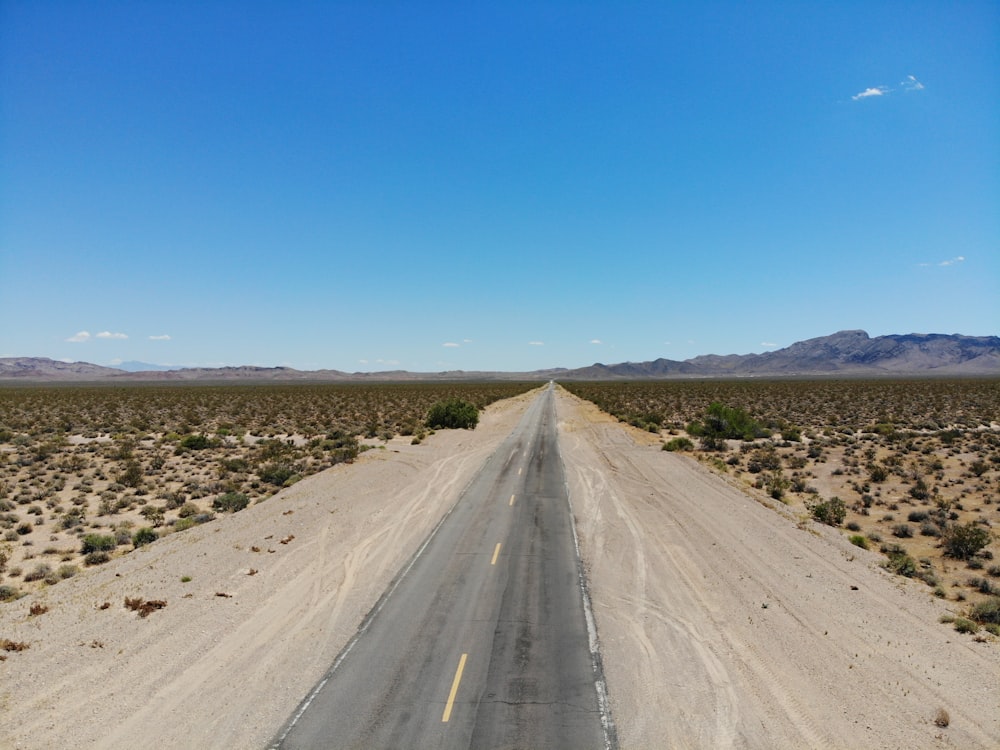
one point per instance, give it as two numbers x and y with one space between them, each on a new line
485 638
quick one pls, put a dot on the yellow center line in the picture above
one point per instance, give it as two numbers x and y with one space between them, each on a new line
454 689
496 553
511 500
519 471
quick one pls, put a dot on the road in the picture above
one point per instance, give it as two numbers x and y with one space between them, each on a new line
482 640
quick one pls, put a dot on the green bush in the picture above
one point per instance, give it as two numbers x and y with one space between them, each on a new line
276 473
832 512
965 626
679 444
144 536
964 541
858 541
98 543
453 414
722 422
899 562
231 502
96 558
987 611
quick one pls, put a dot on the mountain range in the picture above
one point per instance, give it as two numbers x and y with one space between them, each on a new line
846 354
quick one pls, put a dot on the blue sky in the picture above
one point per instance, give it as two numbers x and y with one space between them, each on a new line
511 186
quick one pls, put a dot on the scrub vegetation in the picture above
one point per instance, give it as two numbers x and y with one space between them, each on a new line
88 473
914 461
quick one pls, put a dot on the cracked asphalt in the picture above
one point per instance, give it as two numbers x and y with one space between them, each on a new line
481 640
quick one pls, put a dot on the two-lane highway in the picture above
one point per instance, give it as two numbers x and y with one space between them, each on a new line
482 640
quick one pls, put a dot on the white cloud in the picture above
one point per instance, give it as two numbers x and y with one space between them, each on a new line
79 338
536 343
874 91
162 337
596 341
466 341
943 263
110 335
912 84
768 344
362 361
451 345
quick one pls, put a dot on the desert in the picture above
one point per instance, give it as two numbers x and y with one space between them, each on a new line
726 618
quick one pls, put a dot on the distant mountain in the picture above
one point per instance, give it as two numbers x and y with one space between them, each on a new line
843 353
40 368
144 367
847 353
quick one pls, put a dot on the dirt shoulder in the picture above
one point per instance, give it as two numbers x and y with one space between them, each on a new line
274 592
725 623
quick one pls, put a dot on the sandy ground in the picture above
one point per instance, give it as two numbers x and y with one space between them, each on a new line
722 623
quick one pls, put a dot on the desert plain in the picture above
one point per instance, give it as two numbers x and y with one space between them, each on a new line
727 617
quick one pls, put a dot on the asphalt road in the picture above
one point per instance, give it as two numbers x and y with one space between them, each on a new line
482 640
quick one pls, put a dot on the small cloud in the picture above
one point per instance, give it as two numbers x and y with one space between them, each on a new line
451 345
536 343
161 337
596 341
79 338
768 344
912 84
869 92
110 335
392 362
944 263
362 361
466 341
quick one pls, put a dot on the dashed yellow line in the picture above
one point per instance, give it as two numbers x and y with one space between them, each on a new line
496 553
454 688
511 500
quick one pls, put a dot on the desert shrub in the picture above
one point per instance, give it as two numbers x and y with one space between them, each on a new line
678 444
899 561
919 490
777 484
188 509
858 541
963 541
962 625
453 413
721 422
916 516
9 593
276 473
98 543
182 524
67 571
144 536
902 531
831 512
39 573
987 611
877 473
231 502
194 443
96 558
130 475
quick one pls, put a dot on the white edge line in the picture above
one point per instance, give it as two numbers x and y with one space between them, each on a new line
600 684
